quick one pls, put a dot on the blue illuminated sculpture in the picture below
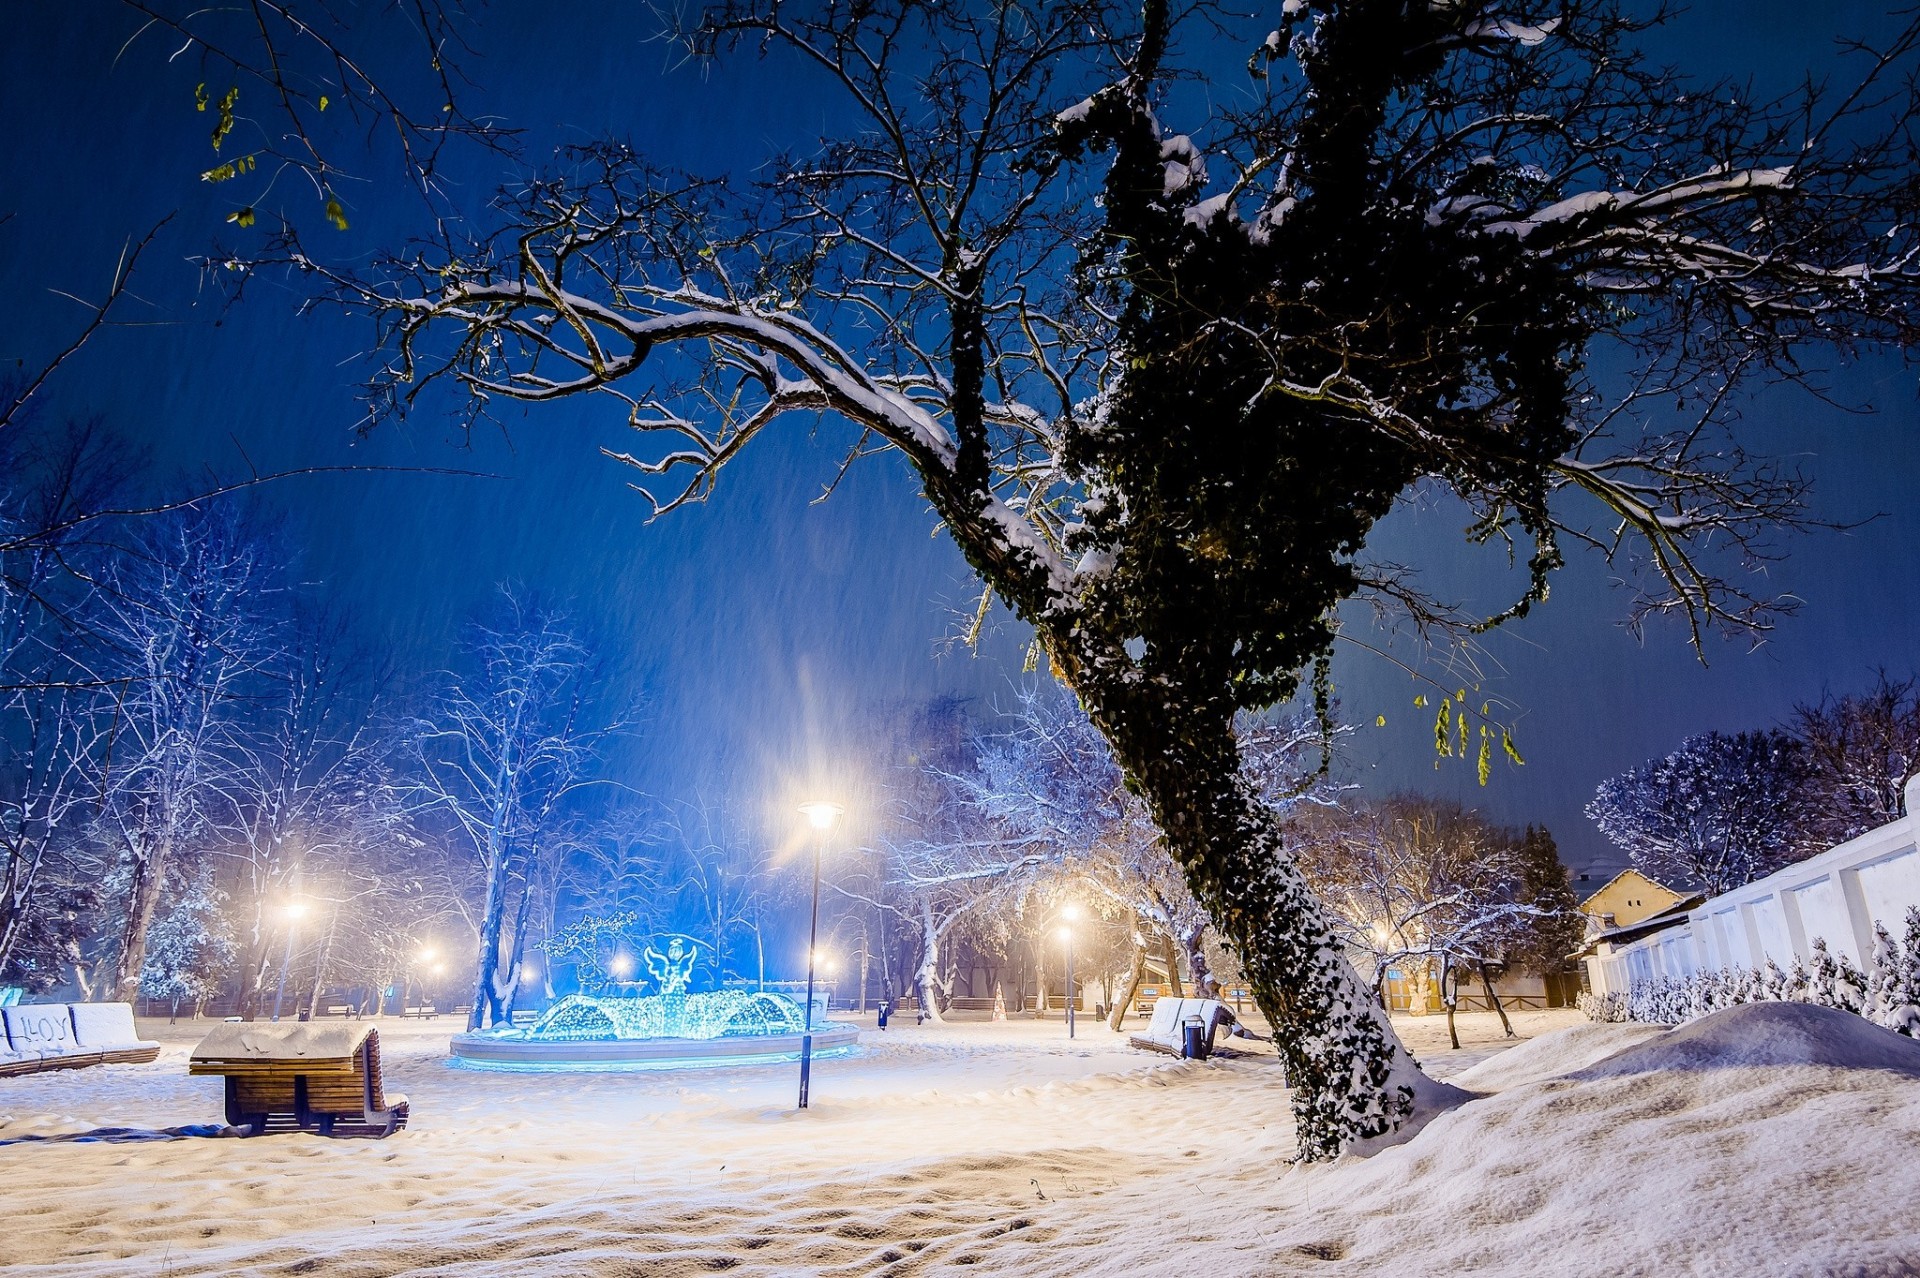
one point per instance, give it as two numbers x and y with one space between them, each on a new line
674 1026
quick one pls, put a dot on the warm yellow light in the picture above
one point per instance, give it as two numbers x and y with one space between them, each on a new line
439 968
426 955
294 909
1066 934
1071 914
821 815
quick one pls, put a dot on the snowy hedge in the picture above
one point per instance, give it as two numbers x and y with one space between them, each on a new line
1887 993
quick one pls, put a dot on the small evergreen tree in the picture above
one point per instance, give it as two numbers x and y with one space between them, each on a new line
191 951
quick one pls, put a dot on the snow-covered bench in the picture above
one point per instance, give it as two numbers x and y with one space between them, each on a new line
42 1036
322 1077
1167 1031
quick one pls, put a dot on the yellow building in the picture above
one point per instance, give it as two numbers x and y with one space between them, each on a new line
1625 899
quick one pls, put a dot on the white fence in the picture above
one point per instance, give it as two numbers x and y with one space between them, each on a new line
1836 896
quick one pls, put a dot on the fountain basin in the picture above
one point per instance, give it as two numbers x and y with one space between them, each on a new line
486 1051
681 1030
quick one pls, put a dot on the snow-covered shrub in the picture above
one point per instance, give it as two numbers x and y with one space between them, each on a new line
1603 1007
1887 993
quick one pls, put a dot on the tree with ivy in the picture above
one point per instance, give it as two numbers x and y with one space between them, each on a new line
1161 358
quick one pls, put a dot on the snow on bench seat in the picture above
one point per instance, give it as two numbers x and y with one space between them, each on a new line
322 1077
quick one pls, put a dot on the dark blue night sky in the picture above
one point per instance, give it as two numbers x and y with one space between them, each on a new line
768 634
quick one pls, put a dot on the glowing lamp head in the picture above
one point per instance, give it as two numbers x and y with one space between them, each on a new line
621 966
821 815
427 955
294 909
1071 914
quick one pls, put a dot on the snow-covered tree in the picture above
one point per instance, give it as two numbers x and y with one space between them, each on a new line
1161 361
187 625
311 788
505 743
1421 885
53 740
1722 810
1860 749
191 949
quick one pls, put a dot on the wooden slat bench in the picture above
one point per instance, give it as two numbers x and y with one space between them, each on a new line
302 1077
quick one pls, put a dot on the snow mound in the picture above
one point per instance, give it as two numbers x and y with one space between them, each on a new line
1552 1055
1767 1035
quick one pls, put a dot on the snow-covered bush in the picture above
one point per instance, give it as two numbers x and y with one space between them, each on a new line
1887 993
1607 1008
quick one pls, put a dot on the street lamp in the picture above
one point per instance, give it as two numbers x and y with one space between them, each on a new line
291 912
821 817
1071 914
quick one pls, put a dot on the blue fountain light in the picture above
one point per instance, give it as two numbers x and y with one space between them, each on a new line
716 1014
673 1027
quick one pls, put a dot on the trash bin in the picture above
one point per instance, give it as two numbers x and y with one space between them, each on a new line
1196 1047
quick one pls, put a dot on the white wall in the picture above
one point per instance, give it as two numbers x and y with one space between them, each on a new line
1836 896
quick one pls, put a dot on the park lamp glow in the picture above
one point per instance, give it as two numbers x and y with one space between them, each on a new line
821 815
292 910
621 966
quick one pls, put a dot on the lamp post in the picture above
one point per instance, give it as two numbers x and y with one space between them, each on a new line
291 911
821 817
1070 914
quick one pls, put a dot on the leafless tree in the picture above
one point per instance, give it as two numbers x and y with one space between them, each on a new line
1860 750
505 744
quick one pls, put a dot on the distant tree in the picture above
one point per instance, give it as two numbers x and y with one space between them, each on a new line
191 951
1422 885
1722 810
188 622
1161 360
506 741
1860 750
1542 942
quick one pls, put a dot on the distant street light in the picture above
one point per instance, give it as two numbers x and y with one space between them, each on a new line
291 912
821 817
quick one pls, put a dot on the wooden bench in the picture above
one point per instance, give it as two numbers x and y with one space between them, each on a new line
302 1077
46 1036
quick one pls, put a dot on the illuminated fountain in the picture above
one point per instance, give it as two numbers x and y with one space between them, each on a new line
673 1027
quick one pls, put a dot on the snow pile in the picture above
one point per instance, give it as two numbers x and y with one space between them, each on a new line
1763 1035
1560 1052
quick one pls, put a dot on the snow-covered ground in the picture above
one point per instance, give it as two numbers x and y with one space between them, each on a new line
1772 1140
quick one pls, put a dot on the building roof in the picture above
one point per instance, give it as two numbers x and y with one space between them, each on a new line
1673 916
1616 878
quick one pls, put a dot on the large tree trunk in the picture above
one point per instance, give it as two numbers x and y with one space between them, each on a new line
1136 974
1172 963
1353 1082
486 998
143 901
1194 942
926 986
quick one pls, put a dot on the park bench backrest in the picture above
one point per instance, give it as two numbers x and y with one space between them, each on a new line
1165 1025
43 1027
98 1025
